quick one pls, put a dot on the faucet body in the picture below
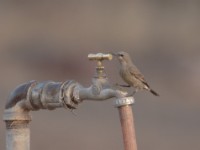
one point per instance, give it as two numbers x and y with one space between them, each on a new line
33 95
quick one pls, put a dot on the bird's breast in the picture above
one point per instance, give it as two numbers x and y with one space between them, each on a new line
129 78
126 76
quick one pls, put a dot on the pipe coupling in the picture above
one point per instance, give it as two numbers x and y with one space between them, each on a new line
124 101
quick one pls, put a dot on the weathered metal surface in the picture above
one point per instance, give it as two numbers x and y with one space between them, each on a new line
18 94
17 135
33 96
43 95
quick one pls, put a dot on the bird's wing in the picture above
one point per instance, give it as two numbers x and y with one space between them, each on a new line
138 75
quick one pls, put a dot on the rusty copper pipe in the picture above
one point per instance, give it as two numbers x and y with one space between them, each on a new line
128 128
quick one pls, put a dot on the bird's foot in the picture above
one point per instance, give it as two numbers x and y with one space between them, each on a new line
122 85
133 93
118 86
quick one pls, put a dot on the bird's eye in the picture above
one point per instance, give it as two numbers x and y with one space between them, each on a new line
121 55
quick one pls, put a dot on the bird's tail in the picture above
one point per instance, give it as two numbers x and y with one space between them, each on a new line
154 93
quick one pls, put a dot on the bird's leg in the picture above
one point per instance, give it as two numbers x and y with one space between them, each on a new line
125 85
122 85
133 93
117 86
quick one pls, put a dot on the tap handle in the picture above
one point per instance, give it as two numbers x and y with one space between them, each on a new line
100 56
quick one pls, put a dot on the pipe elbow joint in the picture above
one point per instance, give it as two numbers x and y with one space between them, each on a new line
14 108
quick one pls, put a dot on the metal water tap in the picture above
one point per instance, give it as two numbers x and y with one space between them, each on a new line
100 89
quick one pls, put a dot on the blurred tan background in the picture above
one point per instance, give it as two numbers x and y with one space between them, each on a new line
50 40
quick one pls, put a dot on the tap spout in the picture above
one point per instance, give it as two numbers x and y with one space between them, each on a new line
107 93
100 90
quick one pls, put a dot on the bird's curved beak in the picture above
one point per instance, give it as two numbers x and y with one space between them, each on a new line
114 53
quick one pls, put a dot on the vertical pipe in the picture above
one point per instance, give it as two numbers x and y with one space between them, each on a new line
128 129
127 122
17 135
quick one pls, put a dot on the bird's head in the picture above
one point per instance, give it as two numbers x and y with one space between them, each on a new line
123 57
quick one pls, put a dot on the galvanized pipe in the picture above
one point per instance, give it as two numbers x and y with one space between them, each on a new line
32 96
17 135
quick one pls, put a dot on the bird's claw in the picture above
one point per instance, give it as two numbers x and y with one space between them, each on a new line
122 85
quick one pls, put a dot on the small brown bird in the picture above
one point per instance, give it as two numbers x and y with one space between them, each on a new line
131 75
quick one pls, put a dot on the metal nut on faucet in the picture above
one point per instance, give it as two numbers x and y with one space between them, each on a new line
100 56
